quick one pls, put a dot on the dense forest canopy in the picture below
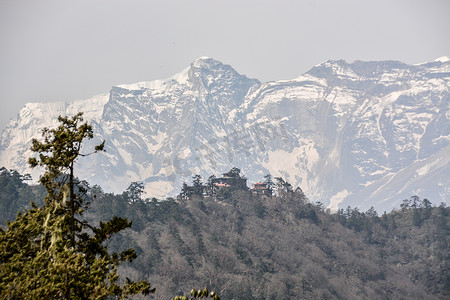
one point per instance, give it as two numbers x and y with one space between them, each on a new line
272 248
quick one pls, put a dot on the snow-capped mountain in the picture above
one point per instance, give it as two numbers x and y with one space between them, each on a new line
361 134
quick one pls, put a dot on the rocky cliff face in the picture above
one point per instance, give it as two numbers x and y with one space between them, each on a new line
359 134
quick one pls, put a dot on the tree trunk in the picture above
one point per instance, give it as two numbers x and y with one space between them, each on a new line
72 206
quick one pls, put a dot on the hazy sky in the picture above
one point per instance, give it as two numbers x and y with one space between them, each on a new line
66 50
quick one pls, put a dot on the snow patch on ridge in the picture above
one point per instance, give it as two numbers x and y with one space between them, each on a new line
443 59
92 108
181 77
338 198
294 166
158 189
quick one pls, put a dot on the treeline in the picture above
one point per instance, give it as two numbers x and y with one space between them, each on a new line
213 187
284 247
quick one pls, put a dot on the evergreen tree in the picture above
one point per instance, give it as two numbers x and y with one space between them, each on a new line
210 184
283 186
405 205
186 191
268 181
134 191
50 251
234 173
371 213
197 185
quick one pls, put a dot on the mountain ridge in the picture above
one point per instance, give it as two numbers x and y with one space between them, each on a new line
338 131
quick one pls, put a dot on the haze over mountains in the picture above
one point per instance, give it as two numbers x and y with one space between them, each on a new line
360 134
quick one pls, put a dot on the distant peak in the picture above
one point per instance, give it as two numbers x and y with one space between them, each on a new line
443 59
205 61
203 65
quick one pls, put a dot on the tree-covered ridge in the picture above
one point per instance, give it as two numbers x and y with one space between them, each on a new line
220 188
215 187
283 247
279 247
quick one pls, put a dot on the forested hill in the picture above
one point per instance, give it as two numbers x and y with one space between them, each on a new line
249 247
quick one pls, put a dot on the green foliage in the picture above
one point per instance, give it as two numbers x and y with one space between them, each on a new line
186 191
286 247
268 181
51 251
197 185
275 248
16 195
415 238
282 186
134 191
233 173
210 183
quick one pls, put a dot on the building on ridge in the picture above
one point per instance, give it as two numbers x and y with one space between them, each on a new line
231 180
260 188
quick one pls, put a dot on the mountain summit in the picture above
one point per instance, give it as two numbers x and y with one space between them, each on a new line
361 134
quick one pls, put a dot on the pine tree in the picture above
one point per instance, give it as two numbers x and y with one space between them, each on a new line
268 181
51 251
210 184
186 191
283 186
197 185
134 191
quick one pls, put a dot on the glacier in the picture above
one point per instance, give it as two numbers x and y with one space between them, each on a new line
349 134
